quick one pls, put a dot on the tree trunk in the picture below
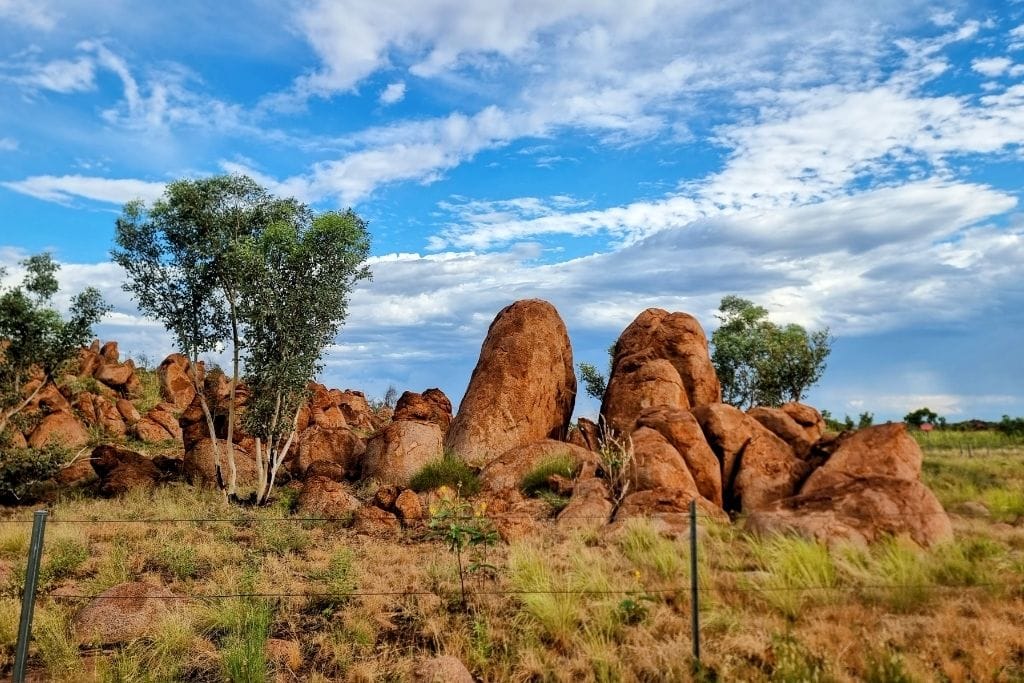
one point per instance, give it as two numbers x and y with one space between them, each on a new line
232 468
210 426
6 416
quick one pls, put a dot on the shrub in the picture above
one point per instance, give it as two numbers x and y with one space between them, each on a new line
537 478
337 581
448 470
23 470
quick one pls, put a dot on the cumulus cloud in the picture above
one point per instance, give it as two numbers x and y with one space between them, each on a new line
992 66
393 93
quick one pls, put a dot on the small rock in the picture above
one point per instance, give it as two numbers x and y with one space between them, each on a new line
442 669
122 613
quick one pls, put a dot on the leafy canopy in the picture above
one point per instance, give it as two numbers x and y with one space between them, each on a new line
761 363
35 340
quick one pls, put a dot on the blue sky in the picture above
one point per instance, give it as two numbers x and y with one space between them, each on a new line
855 165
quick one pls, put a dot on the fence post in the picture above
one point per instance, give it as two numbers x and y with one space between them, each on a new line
28 600
694 604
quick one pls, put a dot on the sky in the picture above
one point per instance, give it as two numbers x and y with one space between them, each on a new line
855 165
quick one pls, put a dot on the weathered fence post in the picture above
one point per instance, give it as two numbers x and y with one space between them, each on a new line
694 604
28 600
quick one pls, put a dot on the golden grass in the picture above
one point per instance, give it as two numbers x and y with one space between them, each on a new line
590 607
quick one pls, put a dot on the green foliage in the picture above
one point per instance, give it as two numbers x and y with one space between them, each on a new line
886 667
221 261
448 470
794 572
865 419
537 478
632 611
33 335
178 559
596 383
23 470
761 363
916 418
461 526
63 558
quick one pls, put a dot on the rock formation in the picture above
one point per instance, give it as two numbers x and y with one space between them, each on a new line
523 388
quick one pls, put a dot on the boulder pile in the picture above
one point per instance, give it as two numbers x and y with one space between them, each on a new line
664 440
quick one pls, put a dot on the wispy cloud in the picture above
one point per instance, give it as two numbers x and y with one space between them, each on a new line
393 93
65 189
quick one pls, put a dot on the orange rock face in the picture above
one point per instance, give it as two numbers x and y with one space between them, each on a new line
758 468
400 450
339 446
430 406
679 339
681 429
880 451
507 471
860 511
523 388
641 382
175 381
781 424
59 429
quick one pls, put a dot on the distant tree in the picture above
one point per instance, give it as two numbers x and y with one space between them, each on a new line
193 261
293 300
595 382
761 363
35 341
865 419
918 417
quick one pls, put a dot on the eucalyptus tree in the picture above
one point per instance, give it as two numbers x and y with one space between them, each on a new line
35 340
180 256
761 363
299 276
226 265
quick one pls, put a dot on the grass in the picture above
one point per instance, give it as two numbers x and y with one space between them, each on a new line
561 607
537 479
983 440
150 396
448 470
995 480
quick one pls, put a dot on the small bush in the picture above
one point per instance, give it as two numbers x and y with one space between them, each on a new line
179 560
23 470
448 470
537 478
149 382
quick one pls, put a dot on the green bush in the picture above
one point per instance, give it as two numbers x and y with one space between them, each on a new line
23 470
537 478
448 470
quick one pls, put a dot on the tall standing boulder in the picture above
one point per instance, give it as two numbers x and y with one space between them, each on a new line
523 388
638 381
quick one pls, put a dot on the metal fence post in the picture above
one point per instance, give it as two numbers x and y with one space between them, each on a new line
28 600
694 603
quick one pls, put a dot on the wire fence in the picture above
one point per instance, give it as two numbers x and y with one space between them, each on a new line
696 585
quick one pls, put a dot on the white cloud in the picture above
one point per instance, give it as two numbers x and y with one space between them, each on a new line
31 13
63 76
394 93
64 189
991 66
8 145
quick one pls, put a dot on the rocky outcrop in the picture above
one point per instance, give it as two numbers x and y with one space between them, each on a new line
339 446
589 507
682 431
357 411
122 614
323 497
400 450
655 334
523 388
880 451
758 468
858 511
175 375
198 465
781 424
808 418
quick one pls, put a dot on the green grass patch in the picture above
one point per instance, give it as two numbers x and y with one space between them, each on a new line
981 440
149 383
448 470
793 572
537 478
